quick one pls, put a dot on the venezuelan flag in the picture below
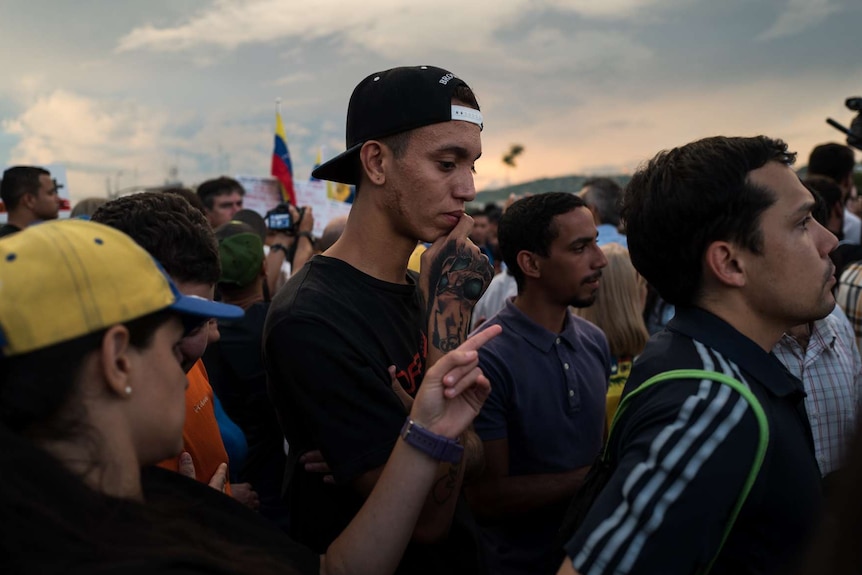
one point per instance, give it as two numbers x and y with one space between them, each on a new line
282 169
317 163
340 192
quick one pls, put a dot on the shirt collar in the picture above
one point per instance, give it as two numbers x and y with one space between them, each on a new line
535 334
719 335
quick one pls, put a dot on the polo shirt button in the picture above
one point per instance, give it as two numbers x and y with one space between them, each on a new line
557 341
571 393
565 366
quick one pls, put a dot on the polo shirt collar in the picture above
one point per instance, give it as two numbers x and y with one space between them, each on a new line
535 334
719 335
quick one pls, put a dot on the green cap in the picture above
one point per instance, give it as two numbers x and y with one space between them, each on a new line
241 253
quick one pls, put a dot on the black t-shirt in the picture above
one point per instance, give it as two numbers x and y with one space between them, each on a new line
235 369
330 337
683 450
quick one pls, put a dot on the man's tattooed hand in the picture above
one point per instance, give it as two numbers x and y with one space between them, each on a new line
453 277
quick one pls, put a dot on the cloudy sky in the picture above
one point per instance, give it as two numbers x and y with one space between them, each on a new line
127 92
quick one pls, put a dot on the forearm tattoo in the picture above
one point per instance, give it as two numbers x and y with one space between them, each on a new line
459 276
445 486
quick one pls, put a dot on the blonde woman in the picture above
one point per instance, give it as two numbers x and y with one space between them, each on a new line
618 311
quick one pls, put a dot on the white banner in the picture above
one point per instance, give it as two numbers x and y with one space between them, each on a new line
263 194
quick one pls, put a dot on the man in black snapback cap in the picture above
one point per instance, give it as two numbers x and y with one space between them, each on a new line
354 331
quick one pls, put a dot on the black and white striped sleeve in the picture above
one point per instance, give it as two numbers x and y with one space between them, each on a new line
685 450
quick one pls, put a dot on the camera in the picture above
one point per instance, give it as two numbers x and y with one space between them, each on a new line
278 219
854 133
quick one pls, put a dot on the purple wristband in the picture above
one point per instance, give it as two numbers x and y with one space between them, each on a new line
436 446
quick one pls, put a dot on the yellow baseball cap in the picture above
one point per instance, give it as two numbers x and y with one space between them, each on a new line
64 279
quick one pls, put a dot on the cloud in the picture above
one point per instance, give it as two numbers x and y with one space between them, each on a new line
798 16
122 143
381 26
99 138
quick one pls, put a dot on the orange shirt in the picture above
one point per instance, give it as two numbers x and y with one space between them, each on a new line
201 436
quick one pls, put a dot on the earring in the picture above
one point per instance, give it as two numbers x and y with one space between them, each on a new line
128 390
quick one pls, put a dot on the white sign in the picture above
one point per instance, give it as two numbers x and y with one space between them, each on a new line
263 194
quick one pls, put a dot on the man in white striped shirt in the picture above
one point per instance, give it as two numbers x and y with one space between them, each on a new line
722 228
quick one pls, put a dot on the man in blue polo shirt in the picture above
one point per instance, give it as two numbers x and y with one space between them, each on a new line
722 227
542 425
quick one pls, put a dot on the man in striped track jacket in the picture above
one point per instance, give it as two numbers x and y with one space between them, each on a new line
722 227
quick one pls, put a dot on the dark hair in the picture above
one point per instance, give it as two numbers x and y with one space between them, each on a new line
189 196
686 198
18 181
87 206
208 190
52 520
606 196
831 160
168 227
528 224
36 387
829 194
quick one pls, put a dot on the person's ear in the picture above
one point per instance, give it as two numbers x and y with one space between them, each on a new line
28 200
116 365
529 263
726 263
374 156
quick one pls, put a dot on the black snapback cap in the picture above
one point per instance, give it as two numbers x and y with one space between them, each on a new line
391 102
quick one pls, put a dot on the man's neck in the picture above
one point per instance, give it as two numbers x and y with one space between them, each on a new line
247 297
747 322
20 219
552 317
372 246
801 333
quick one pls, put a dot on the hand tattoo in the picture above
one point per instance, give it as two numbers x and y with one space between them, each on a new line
459 277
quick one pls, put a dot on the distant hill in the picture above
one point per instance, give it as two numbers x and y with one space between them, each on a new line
570 184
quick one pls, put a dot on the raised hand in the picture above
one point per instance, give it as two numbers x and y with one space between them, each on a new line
454 276
454 389
187 467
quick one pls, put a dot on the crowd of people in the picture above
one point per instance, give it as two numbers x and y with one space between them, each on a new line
661 378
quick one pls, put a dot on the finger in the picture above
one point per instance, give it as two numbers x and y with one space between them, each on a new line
406 398
322 467
450 361
186 466
312 457
329 479
463 227
477 340
219 478
459 371
467 381
476 395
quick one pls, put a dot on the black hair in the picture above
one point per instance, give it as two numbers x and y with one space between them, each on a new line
686 198
208 190
827 194
171 230
606 196
528 225
40 410
53 522
19 181
831 160
189 196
